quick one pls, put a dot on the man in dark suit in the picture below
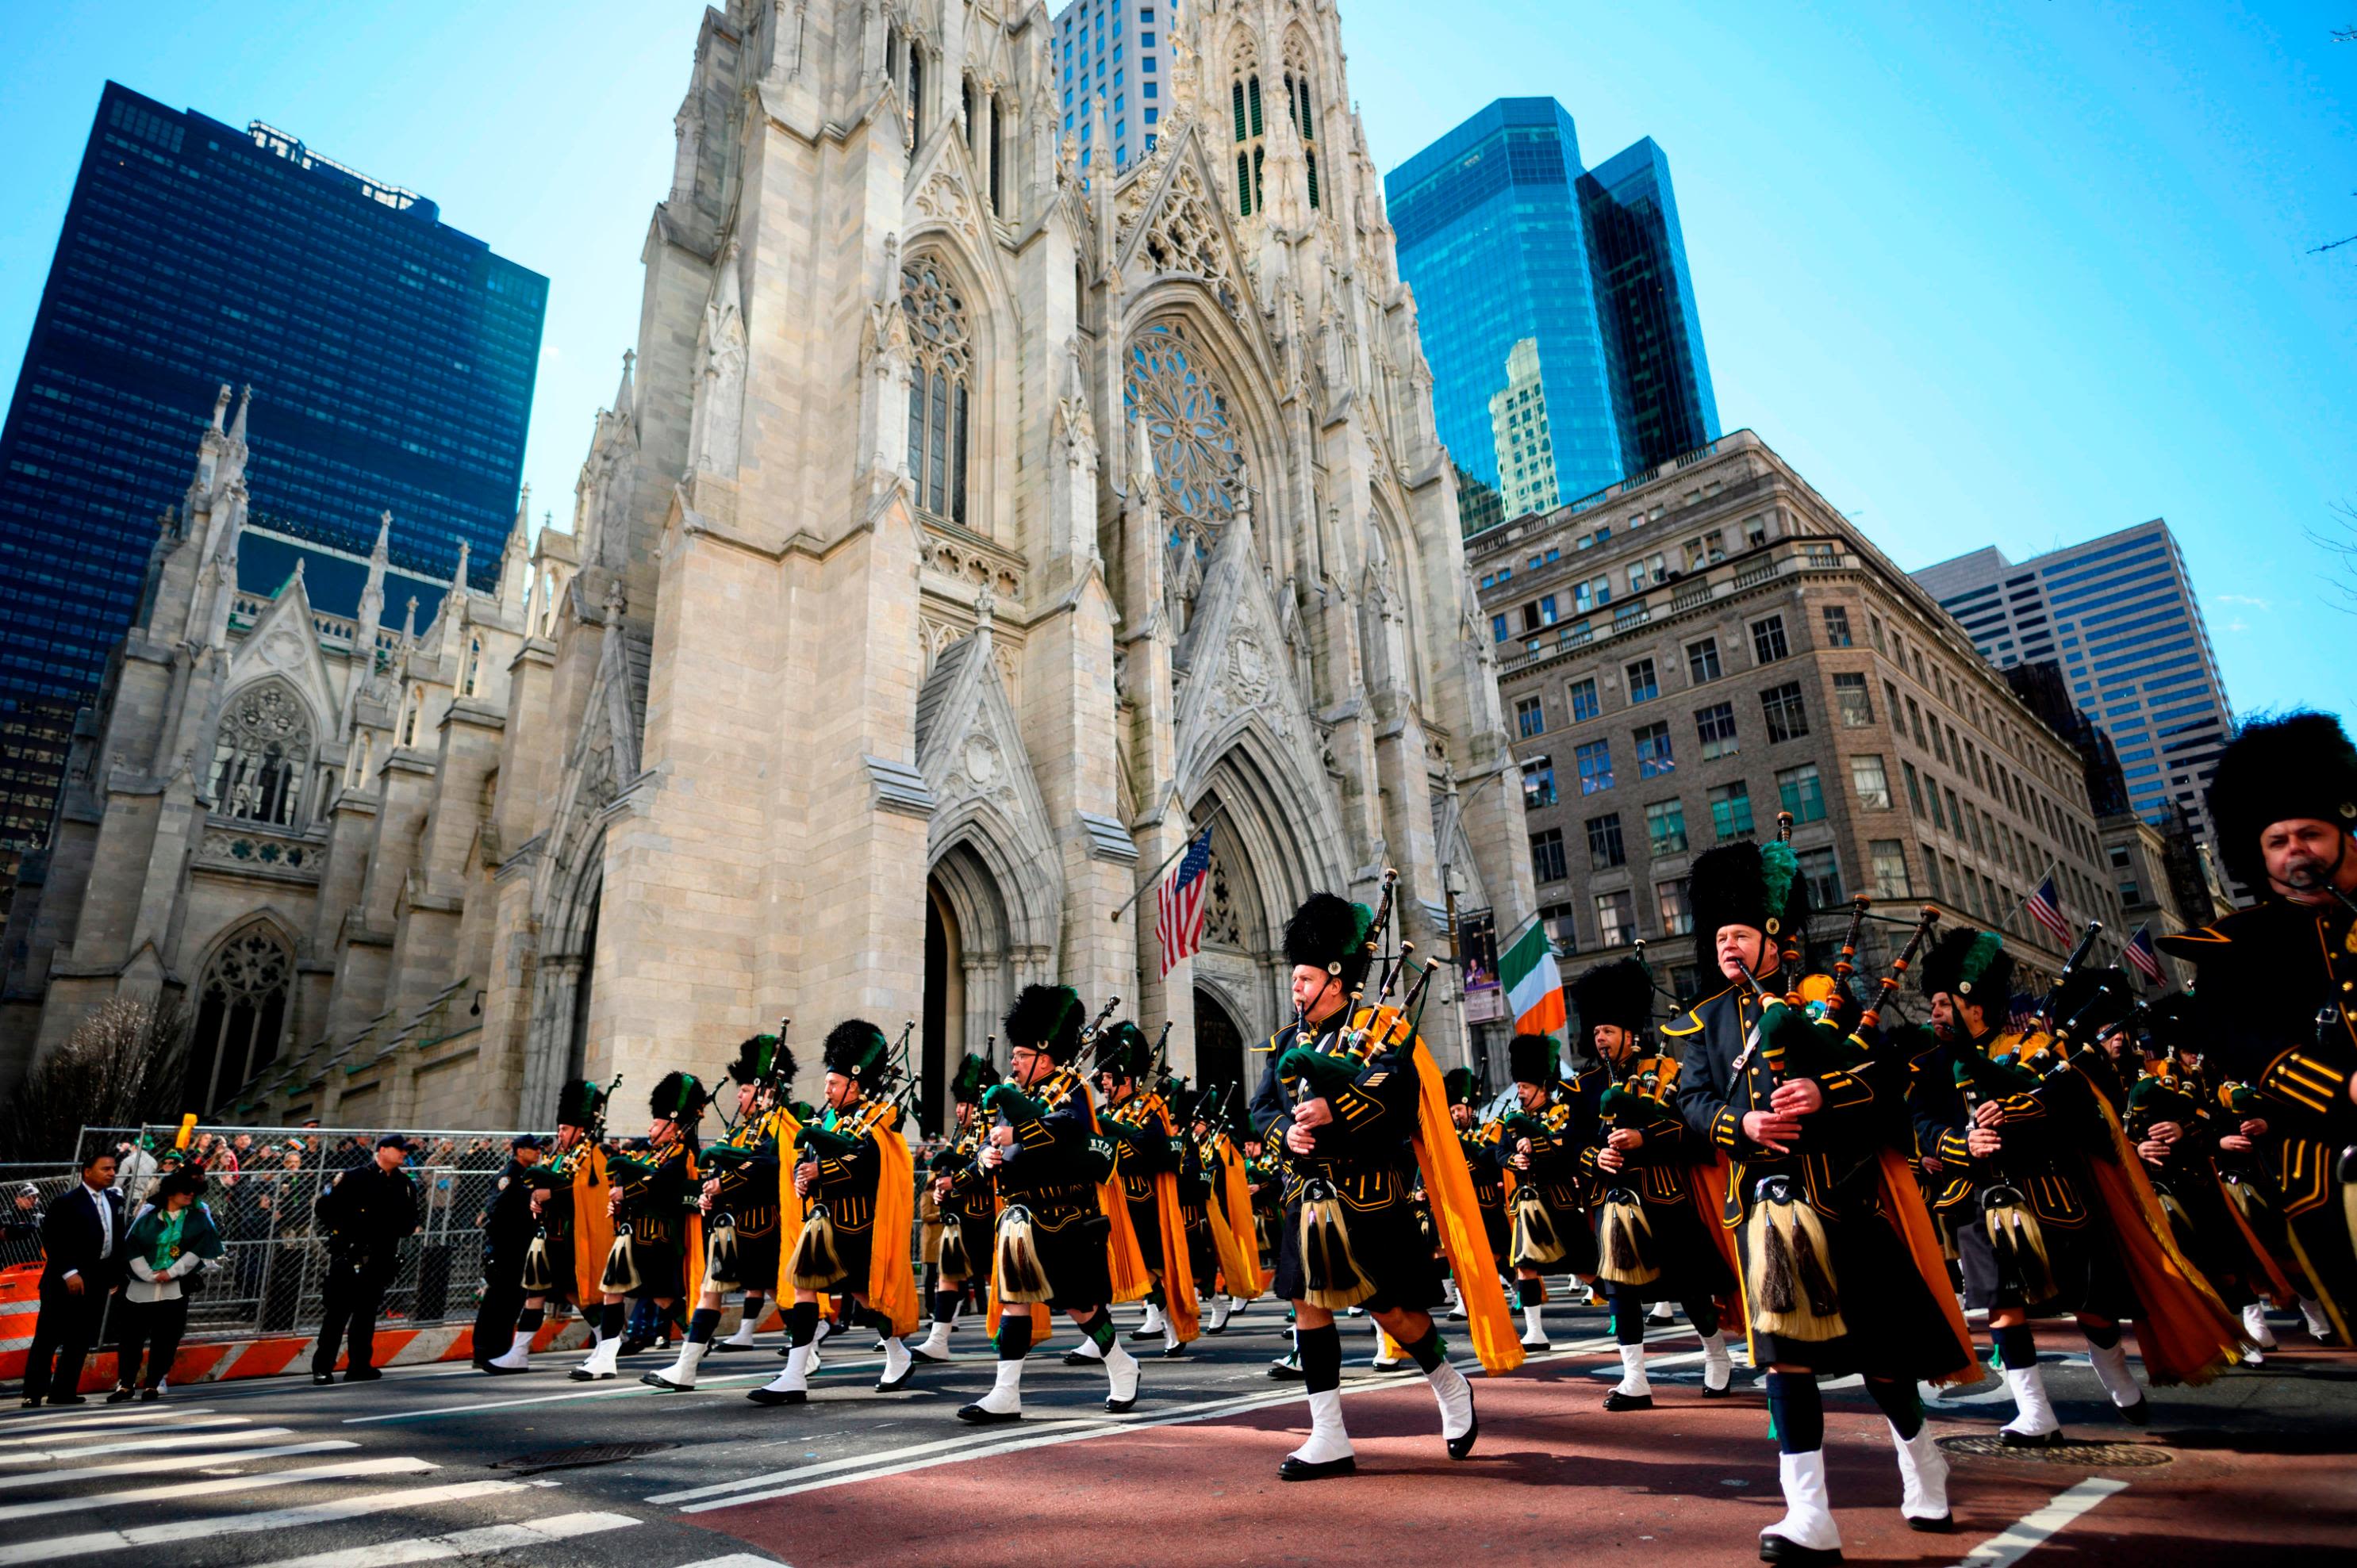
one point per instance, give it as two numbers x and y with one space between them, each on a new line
82 1242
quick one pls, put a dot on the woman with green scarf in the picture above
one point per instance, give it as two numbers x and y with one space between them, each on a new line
172 1238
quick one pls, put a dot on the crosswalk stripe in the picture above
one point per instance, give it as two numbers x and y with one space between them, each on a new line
51 1420
219 1483
140 1445
627 1387
158 1462
735 1560
246 1524
469 1543
97 1426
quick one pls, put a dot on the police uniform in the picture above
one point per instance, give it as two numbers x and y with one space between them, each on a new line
509 1229
367 1213
550 1270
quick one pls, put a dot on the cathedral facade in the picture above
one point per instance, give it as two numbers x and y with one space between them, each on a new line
978 519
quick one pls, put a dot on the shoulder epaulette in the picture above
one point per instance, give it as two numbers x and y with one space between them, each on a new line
1692 1023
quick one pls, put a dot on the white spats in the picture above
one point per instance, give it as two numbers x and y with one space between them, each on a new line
2313 1311
1455 1397
742 1336
1329 1440
1922 1478
600 1361
1533 1330
795 1379
1808 1520
935 1345
2254 1325
518 1356
1006 1395
1633 1373
2036 1416
1221 1307
1155 1324
897 1365
2112 1370
681 1373
1121 1375
1718 1366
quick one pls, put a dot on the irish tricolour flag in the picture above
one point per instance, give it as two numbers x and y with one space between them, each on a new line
1534 986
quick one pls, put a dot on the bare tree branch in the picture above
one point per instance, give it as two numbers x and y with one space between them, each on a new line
124 1066
2341 540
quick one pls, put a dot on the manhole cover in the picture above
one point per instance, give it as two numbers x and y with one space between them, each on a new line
2099 1456
580 1454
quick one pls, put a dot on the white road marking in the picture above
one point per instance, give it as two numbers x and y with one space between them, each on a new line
128 1446
247 1524
100 1428
465 1542
2018 1539
827 1466
159 1462
628 1384
735 1559
214 1487
53 1420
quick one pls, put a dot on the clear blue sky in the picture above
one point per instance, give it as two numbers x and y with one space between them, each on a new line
2016 272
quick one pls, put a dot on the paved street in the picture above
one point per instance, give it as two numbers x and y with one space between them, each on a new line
421 1466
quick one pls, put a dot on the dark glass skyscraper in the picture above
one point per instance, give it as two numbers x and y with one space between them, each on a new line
392 360
1505 238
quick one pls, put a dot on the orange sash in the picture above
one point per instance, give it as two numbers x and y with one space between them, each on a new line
1179 1298
891 1275
1238 1251
2272 1282
1449 1189
1903 1200
593 1226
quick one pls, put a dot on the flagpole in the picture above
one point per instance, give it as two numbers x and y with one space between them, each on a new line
1156 875
2023 902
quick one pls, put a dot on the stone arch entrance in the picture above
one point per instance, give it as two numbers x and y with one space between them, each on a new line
1219 1047
974 961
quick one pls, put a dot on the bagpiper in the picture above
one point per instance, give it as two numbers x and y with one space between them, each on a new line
1213 1187
1479 1143
1048 1160
1540 1139
1830 1285
573 1227
854 1172
1351 1095
739 1205
962 1192
653 1186
1651 1239
2277 978
1148 1157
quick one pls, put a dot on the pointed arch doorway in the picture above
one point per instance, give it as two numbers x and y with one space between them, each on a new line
1219 1046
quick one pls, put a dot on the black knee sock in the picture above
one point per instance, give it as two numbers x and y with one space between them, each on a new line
945 1306
1014 1333
754 1306
1530 1293
879 1319
1897 1399
1703 1314
1426 1350
2102 1336
1100 1329
700 1327
2017 1347
1321 1358
801 1322
610 1319
1798 1410
529 1320
1628 1319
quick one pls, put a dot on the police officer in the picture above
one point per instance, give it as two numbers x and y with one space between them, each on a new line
508 1228
369 1212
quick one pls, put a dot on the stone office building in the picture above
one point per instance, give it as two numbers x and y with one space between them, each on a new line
1690 651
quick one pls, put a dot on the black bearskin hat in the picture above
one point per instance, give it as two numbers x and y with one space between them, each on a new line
1459 1084
1746 883
974 1075
2092 1000
579 1103
857 1048
2172 1021
1534 1058
763 1059
2274 770
1617 992
1044 1018
1330 933
681 1097
1124 1051
1971 966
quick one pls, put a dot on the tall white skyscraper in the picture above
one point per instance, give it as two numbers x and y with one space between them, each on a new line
1518 432
1113 50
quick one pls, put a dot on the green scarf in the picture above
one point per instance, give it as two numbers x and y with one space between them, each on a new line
164 1236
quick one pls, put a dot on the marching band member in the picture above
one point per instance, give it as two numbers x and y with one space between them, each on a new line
1480 1146
569 1202
1148 1158
962 1191
1545 1133
652 1181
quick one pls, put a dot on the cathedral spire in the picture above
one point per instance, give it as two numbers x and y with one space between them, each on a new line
515 558
624 398
244 401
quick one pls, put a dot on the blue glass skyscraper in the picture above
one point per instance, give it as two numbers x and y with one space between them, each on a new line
1503 237
392 360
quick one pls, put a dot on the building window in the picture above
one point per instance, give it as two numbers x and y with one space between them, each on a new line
1955 814
1677 915
939 387
1562 930
1730 811
1932 875
1594 767
1538 782
1871 782
1767 643
1296 99
1644 685
1939 817
1939 746
1914 787
1604 847
1665 827
1836 627
1243 101
1702 661
1546 856
1716 726
1530 716
1584 704
1801 792
1852 702
1654 757
240 1014
1915 720
1890 696
1498 632
1616 918
1786 712
260 756
1823 872
1889 857
2130 893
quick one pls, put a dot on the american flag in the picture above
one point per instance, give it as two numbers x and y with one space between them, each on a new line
2046 908
2021 1012
2143 955
1178 904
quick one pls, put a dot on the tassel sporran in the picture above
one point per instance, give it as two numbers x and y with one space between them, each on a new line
1625 1237
621 1276
722 1264
817 1264
539 1268
1787 1259
1334 1280
1536 1239
2018 1245
957 1267
1022 1276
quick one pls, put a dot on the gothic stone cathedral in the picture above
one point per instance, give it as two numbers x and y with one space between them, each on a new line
974 522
